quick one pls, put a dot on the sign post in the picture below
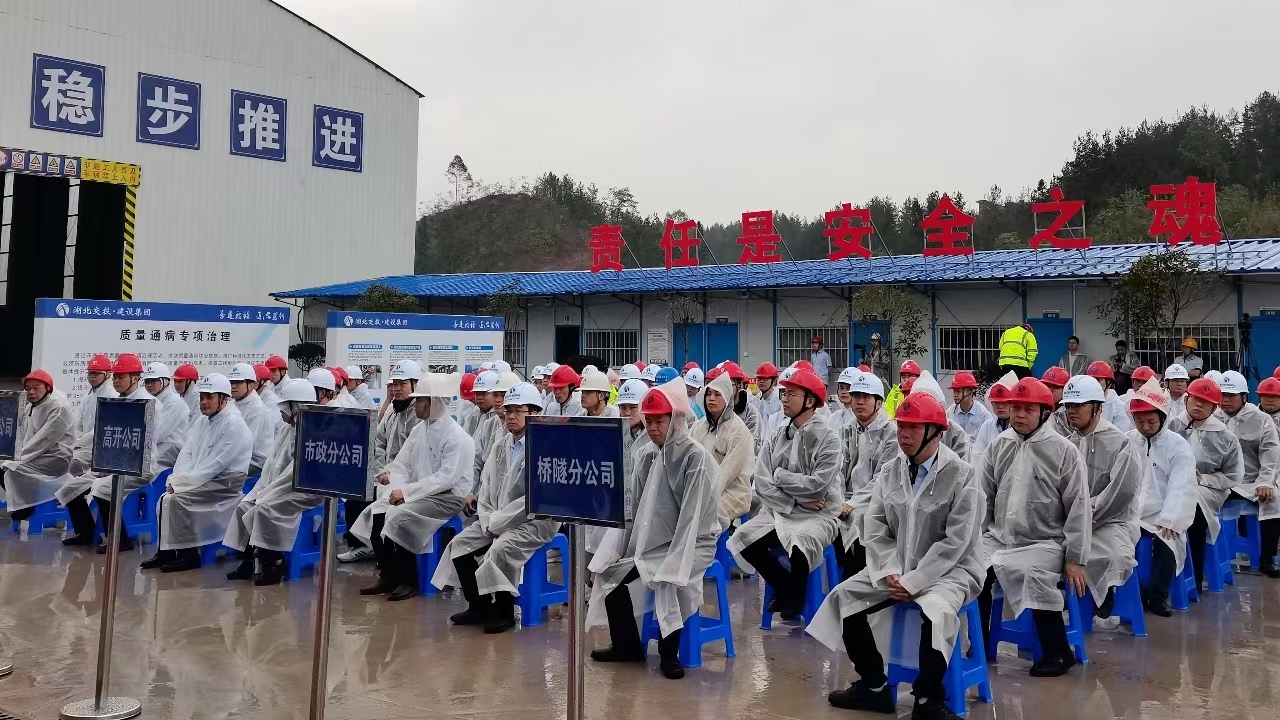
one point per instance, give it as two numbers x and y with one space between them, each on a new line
331 459
121 446
575 474
11 412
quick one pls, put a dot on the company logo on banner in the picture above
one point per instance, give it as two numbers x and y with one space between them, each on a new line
211 337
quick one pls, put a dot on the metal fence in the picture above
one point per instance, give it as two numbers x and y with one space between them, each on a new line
1219 347
794 344
513 349
617 347
968 348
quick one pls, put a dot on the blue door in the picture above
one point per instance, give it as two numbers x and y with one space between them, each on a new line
722 343
1051 337
860 339
1264 355
686 345
706 344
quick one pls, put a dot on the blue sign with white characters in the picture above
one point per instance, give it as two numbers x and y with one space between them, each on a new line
259 125
332 453
118 309
67 95
337 139
10 412
168 112
413 321
574 470
122 436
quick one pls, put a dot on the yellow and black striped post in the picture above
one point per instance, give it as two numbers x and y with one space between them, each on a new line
130 212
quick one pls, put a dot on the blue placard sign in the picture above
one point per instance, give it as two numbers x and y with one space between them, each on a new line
332 453
10 412
575 470
122 436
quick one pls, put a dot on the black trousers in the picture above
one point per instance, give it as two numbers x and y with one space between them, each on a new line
1018 370
1163 567
1270 531
765 555
1051 631
624 635
395 564
1197 538
860 644
851 561
351 513
82 521
499 604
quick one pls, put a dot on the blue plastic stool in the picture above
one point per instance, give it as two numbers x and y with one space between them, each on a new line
963 672
814 592
537 592
1218 570
306 545
209 553
1021 631
139 511
341 529
1182 589
429 561
248 484
1250 544
699 630
1127 606
46 514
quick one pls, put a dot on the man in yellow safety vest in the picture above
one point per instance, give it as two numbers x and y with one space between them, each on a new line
1018 350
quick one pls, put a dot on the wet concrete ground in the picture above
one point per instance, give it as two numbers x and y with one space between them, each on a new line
194 645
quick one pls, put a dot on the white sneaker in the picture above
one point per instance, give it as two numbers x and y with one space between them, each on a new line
359 554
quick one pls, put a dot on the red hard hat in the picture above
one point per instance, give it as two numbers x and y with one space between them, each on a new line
807 380
1276 374
804 365
689 366
1032 391
735 372
465 389
186 372
262 372
640 364
963 380
99 363
714 373
40 375
910 367
1141 375
564 376
339 374
1206 390
1055 377
1269 386
864 368
127 363
767 370
816 339
1100 369
656 402
998 394
275 362
907 385
921 409
1137 405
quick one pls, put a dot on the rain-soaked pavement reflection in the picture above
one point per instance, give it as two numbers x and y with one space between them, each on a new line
195 646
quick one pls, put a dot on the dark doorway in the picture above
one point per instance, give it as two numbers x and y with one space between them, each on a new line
568 342
99 261
37 249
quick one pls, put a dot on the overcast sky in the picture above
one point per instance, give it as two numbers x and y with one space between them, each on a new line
720 107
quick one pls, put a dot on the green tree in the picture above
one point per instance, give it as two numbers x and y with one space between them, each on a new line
307 356
904 310
1124 219
384 298
1010 241
460 176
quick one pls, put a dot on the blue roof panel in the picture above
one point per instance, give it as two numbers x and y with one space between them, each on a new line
1237 257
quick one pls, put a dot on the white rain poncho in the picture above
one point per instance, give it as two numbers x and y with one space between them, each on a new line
489 432
1116 469
270 400
468 417
571 408
796 465
734 449
262 426
989 431
1037 516
780 419
750 417
676 525
433 471
972 421
42 453
499 510
192 399
864 452
841 418
88 413
129 483
344 399
609 411
1260 445
1219 462
362 396
206 481
1116 411
1062 425
611 545
930 538
766 407
269 517
1178 408
172 421
1168 490
393 430
955 437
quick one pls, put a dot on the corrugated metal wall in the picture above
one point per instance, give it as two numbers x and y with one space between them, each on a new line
213 227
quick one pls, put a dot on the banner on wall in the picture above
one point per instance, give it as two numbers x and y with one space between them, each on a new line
439 343
211 337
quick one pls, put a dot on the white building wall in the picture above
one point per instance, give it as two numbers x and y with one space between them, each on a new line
213 227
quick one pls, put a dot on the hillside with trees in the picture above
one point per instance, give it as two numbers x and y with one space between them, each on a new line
543 224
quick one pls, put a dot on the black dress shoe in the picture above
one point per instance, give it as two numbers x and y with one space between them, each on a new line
78 540
612 655
159 560
860 696
403 592
932 710
499 625
1160 606
671 668
1270 570
1053 667
272 574
470 616
243 571
382 587
182 563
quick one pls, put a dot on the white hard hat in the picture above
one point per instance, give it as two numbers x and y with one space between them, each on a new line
354 372
488 365
875 336
650 372
298 392
502 366
589 368
406 370
1215 376
631 392
595 380
1233 383
787 373
1176 372
539 373
438 385
215 383
322 379
629 372
523 394
241 372
1082 389
506 381
867 384
157 371
694 378
848 375
550 367
487 381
